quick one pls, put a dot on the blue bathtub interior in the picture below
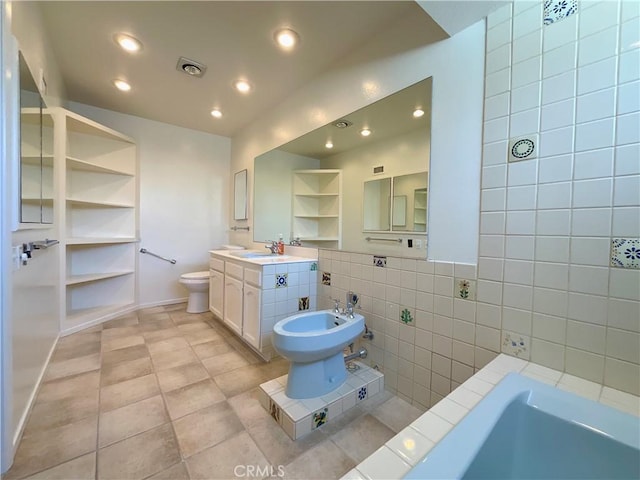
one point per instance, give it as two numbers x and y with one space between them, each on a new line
524 429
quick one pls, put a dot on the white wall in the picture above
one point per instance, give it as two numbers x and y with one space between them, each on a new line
185 188
456 65
405 154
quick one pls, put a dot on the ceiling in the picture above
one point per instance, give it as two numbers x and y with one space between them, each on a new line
234 39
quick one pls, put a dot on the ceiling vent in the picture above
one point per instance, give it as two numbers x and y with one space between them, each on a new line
191 67
342 124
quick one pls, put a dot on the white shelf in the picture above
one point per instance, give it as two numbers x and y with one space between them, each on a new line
76 202
316 216
317 195
93 277
85 166
99 240
84 315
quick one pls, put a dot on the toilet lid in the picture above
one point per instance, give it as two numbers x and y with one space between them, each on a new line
195 275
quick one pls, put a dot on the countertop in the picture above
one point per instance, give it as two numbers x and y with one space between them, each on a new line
237 255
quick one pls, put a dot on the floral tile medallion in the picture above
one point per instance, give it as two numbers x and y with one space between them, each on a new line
281 280
326 278
625 252
320 418
556 10
406 317
314 266
379 261
303 303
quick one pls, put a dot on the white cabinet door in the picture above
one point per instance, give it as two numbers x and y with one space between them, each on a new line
251 323
233 304
216 292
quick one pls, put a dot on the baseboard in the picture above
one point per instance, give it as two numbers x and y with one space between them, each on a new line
162 303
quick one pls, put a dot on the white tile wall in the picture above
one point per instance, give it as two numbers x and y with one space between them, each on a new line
545 224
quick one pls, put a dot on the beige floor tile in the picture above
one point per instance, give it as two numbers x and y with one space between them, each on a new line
195 327
202 336
246 352
49 448
205 428
191 398
180 318
73 366
151 317
119 372
151 310
212 348
277 446
67 352
248 408
80 338
360 439
341 422
323 461
175 307
162 334
109 333
81 468
68 386
124 321
124 422
46 415
116 343
130 391
173 358
240 380
125 354
176 472
155 325
140 456
275 368
396 414
167 345
224 363
227 459
182 376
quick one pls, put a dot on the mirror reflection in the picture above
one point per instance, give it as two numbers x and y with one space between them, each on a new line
240 195
350 199
36 153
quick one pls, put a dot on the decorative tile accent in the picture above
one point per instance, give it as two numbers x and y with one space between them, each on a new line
379 261
319 418
362 393
556 10
314 266
625 252
326 278
274 410
405 316
464 288
303 303
523 148
515 344
281 280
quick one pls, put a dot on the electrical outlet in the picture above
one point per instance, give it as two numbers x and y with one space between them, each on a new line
418 244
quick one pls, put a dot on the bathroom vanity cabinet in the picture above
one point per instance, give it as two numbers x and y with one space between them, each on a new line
249 295
96 173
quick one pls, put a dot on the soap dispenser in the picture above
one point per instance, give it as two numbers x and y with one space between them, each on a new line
280 246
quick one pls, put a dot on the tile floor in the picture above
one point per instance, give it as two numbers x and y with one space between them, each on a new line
163 394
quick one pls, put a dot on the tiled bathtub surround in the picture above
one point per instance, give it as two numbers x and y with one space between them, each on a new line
301 417
545 271
408 447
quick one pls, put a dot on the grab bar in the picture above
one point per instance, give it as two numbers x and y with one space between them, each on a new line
373 239
234 228
170 260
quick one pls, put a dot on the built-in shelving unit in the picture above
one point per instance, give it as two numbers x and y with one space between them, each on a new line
317 207
98 180
420 210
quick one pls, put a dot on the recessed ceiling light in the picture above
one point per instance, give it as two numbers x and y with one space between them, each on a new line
329 144
365 132
242 86
418 112
191 67
287 38
216 113
128 43
122 85
342 124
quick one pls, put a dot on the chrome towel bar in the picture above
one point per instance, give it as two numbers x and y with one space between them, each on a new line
170 260
373 239
234 228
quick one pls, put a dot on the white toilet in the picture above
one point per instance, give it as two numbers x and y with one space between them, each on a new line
198 285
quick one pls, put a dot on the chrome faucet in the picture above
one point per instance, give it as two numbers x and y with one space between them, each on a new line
351 299
295 242
273 248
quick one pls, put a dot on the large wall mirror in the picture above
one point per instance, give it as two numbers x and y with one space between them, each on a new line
383 176
36 153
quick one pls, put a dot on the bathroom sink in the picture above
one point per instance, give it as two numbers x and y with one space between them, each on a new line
252 254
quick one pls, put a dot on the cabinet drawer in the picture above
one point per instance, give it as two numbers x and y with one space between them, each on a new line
253 277
233 270
216 264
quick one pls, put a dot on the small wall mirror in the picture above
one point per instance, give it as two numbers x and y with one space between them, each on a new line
240 195
36 152
376 211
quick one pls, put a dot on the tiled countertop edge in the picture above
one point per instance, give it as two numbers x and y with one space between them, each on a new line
400 454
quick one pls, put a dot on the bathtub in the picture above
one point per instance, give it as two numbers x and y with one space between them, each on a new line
524 429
